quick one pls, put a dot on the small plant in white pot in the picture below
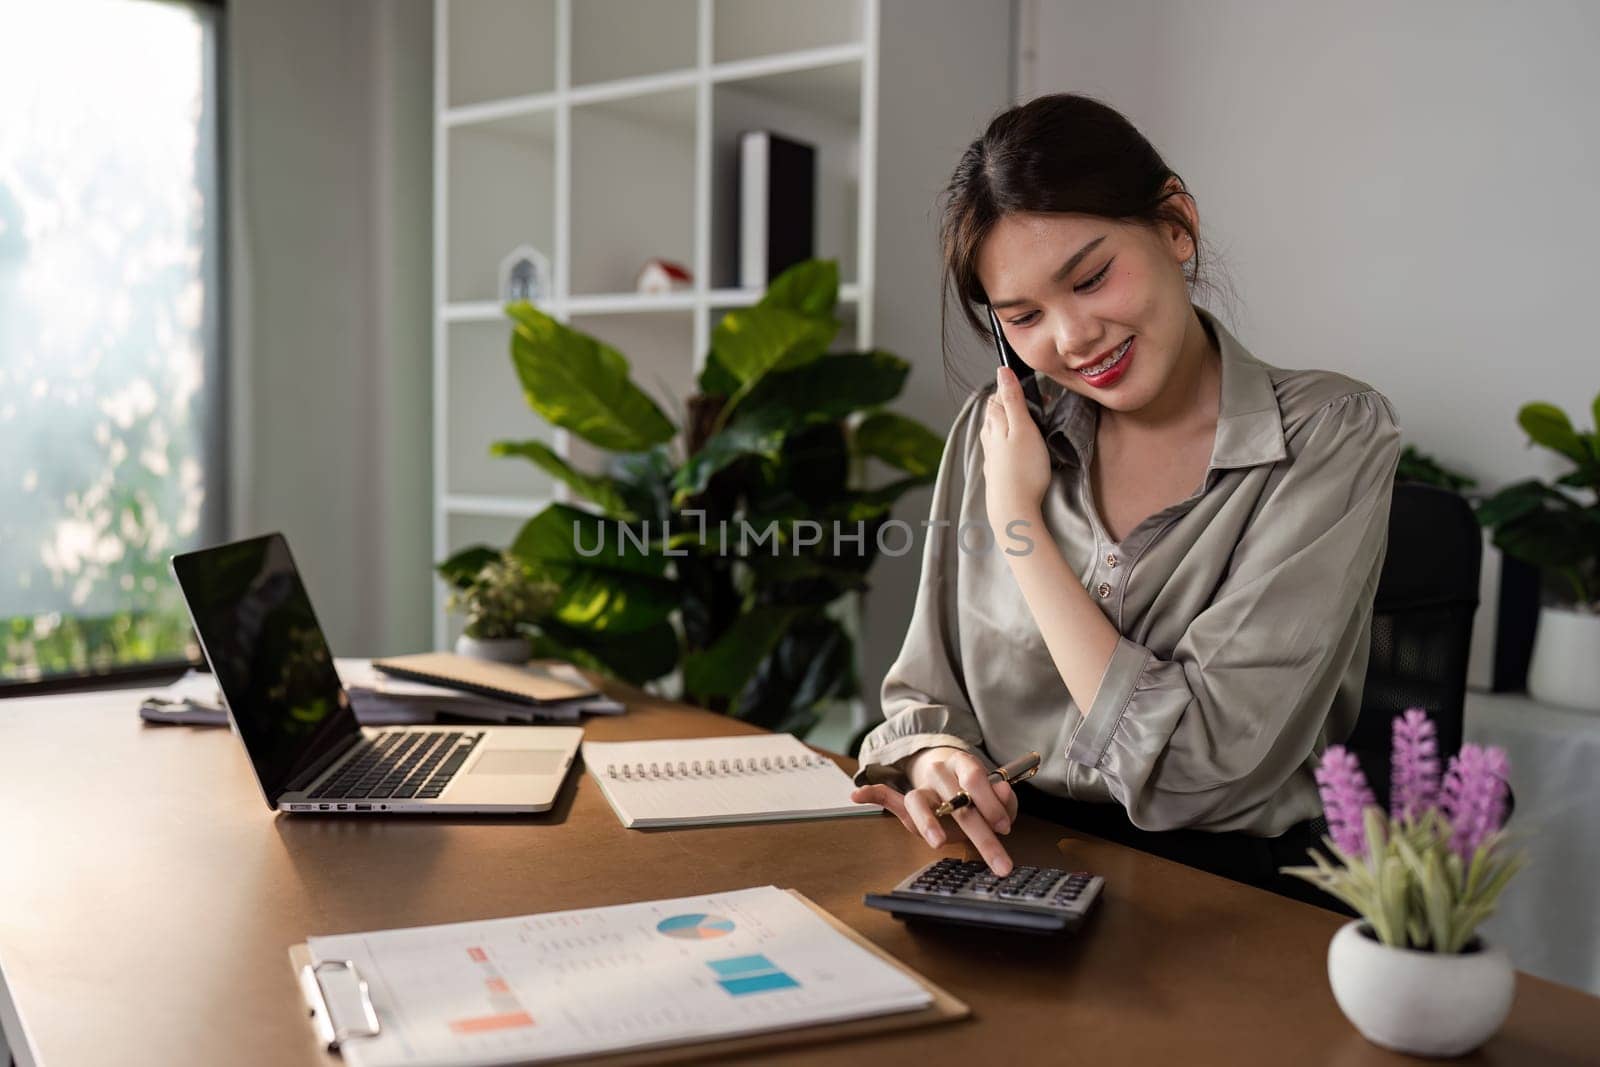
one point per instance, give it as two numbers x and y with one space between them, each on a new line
1414 975
497 600
1556 530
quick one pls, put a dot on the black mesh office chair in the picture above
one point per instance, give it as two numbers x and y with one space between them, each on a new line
1421 625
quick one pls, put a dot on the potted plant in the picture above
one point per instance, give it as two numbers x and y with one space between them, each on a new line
657 576
1555 529
1417 466
1414 974
501 594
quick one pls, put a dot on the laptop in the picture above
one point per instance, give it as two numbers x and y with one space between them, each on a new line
272 663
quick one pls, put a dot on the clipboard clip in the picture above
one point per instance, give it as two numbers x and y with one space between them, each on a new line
332 1032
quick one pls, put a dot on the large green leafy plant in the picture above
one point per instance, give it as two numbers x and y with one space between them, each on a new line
1552 526
725 547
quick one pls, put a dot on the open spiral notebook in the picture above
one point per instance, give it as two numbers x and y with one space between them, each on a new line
708 780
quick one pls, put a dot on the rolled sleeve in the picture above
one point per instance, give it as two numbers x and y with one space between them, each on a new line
924 695
1212 732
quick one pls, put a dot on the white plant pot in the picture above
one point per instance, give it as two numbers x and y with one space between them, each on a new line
497 650
1423 1003
1565 668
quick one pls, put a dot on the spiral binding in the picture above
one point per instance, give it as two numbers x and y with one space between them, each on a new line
721 768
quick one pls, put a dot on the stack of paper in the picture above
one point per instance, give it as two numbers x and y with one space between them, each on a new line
381 700
384 700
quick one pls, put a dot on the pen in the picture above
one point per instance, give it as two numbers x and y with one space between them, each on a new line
1018 770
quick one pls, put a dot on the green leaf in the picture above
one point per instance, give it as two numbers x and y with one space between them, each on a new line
610 602
812 662
582 385
825 389
565 535
715 379
810 288
460 569
601 490
1547 539
608 584
637 658
868 503
751 343
725 667
1415 466
1549 426
831 387
1519 499
900 442
756 436
644 479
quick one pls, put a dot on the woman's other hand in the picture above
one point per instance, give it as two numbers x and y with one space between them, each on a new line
936 775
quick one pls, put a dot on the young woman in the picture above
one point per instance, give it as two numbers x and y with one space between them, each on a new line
1174 606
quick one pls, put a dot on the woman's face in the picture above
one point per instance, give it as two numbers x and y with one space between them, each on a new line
1099 306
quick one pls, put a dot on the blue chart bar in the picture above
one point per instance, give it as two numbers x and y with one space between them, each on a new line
761 983
750 974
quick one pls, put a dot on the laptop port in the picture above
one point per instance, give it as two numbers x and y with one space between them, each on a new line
341 807
362 807
324 807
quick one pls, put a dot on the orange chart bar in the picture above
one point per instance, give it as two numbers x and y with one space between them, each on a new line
481 1024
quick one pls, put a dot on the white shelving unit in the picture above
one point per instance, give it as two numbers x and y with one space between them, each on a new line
605 133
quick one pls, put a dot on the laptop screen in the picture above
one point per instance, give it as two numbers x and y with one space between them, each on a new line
270 659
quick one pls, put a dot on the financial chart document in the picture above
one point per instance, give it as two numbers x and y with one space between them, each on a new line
610 979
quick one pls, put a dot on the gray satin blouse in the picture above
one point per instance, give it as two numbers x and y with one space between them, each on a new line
1245 611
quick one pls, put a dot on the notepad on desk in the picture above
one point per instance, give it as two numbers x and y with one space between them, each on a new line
709 780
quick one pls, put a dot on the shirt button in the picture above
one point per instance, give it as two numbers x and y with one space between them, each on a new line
1104 590
1111 561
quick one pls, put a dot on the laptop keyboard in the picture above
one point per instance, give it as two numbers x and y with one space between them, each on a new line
400 765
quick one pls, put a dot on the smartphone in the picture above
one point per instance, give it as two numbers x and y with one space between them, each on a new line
1009 358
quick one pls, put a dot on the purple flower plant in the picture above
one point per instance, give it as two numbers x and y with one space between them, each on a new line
1345 795
1475 796
1429 872
1471 798
1414 772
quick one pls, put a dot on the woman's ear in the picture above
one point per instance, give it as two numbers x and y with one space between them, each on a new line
1182 203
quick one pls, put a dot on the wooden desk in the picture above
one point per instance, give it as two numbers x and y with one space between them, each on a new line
149 897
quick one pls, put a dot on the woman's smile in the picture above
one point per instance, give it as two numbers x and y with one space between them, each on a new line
1109 371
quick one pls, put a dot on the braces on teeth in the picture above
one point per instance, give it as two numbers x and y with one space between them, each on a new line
1109 362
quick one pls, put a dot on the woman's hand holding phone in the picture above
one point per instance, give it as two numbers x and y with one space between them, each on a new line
936 775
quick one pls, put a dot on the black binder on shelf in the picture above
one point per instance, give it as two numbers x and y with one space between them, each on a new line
777 205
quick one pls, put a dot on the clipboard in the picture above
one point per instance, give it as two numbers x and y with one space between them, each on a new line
353 1023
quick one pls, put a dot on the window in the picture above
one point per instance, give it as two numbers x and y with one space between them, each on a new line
111 391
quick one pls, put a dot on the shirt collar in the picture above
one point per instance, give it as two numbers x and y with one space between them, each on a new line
1249 421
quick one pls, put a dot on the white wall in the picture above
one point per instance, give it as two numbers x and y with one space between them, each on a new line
1402 192
330 128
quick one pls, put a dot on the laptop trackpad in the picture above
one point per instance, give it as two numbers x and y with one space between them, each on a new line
519 761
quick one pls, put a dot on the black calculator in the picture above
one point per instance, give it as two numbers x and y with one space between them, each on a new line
1040 899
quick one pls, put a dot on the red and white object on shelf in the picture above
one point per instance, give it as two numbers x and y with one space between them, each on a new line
660 276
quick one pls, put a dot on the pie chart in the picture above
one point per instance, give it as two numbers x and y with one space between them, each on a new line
695 926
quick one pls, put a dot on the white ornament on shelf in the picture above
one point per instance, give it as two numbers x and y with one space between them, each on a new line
660 276
525 275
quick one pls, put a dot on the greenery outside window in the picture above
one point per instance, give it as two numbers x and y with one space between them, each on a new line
111 374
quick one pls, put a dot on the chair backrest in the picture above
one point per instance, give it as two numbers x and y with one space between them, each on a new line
1421 625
